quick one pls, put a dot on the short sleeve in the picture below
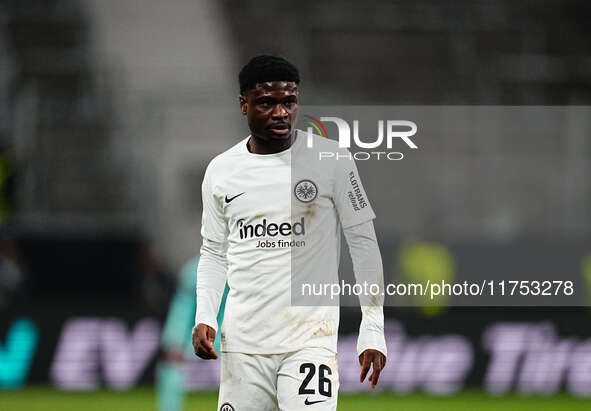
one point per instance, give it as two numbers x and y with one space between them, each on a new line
349 195
213 223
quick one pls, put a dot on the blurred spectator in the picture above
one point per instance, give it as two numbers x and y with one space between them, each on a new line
156 285
11 273
425 261
6 185
176 339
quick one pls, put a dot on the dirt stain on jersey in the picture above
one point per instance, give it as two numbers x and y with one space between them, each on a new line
301 325
307 211
372 300
310 211
326 329
333 364
375 301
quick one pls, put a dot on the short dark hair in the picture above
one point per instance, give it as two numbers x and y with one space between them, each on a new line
261 69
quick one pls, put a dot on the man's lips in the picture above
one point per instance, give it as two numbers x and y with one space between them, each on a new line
282 128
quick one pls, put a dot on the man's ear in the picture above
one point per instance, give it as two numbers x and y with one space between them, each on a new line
243 104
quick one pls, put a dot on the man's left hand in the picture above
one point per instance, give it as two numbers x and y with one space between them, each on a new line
366 359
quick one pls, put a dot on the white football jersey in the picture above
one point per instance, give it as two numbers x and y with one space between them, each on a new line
280 217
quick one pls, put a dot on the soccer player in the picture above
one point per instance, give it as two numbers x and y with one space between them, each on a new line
273 213
179 322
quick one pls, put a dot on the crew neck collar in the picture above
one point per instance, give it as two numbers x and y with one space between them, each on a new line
296 141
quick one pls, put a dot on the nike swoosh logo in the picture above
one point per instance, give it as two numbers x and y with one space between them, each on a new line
308 402
228 200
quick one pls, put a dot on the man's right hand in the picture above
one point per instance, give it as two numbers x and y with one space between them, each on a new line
203 338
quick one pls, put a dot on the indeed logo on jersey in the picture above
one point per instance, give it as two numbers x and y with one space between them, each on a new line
270 230
264 229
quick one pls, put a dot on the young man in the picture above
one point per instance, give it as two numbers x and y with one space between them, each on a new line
271 214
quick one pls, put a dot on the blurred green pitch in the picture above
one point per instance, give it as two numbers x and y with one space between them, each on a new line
143 399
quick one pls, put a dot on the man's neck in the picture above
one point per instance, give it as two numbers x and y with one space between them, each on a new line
257 145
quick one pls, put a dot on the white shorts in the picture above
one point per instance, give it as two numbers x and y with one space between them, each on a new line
307 379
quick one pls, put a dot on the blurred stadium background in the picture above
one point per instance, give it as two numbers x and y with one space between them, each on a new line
110 111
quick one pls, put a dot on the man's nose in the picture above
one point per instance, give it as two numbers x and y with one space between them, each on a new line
279 111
